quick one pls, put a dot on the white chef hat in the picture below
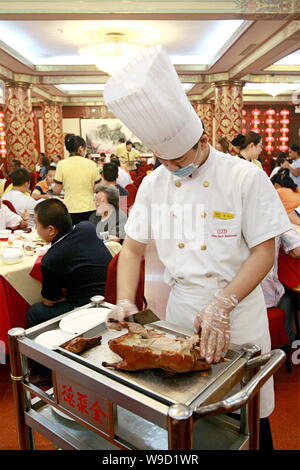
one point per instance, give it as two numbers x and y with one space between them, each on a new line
147 96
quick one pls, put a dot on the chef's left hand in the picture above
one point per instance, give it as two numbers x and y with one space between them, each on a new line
214 322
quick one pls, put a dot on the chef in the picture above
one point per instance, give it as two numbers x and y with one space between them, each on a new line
213 217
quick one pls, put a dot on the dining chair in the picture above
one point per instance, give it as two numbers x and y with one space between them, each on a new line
110 292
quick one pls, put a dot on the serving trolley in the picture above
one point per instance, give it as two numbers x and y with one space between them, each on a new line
94 407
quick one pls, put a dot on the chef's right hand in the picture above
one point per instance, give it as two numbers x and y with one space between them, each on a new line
122 310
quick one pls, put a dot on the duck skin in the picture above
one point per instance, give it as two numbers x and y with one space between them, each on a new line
80 344
142 349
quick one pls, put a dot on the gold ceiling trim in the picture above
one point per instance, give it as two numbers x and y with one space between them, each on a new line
66 68
259 8
265 78
283 68
80 79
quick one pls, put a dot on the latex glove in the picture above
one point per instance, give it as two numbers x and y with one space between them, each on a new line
214 322
122 310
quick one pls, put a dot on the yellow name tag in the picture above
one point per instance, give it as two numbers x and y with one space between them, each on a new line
223 215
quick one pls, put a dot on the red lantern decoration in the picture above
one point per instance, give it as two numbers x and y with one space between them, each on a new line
255 129
270 138
284 130
256 121
255 112
244 130
283 148
284 112
284 121
244 112
270 121
270 112
283 138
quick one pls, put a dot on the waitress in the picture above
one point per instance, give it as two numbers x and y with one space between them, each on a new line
77 177
213 217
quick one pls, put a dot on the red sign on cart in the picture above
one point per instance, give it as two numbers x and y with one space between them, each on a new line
84 403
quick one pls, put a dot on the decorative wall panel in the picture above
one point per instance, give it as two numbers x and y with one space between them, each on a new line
53 130
228 109
19 124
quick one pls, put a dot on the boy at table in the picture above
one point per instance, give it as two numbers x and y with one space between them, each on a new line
75 266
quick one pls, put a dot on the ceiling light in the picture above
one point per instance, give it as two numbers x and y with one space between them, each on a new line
272 89
113 54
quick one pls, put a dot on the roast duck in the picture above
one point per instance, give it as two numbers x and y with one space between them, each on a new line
143 348
80 344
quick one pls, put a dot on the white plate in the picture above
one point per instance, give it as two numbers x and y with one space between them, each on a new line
83 320
53 338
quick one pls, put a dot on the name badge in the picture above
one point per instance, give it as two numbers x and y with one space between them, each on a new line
223 215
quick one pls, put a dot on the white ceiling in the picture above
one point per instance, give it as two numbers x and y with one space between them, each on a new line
42 47
57 42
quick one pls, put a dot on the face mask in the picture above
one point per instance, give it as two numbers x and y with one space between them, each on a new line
186 170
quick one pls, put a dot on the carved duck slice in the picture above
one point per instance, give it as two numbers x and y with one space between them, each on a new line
143 349
80 344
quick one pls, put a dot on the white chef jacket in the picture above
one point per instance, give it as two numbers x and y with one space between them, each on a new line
229 207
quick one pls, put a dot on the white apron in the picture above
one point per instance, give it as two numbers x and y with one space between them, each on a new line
184 304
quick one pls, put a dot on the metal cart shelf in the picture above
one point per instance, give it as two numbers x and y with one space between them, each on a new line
112 414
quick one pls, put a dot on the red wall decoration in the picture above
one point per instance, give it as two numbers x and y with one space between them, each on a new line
278 125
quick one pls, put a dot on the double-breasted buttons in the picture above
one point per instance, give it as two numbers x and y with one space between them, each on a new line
203 214
205 184
203 247
177 184
181 245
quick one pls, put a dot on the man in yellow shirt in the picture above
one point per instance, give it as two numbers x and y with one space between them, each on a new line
130 155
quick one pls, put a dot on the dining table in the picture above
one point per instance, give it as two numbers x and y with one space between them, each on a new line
20 287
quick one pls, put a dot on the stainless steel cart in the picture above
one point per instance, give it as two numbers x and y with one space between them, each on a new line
93 407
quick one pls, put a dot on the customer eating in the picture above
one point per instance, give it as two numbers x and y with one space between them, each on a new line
74 268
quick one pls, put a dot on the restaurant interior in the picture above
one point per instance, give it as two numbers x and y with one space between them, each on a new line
239 65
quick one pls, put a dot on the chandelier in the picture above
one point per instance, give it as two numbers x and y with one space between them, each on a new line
112 54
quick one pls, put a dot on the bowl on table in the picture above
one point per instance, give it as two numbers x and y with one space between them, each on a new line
12 256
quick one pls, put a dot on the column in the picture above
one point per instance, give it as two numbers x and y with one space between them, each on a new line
19 123
228 108
205 110
53 129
